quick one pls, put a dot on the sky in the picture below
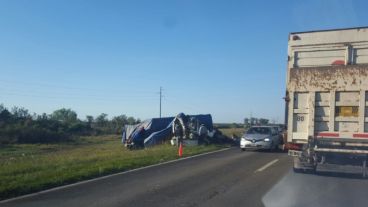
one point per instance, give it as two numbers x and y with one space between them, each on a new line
227 58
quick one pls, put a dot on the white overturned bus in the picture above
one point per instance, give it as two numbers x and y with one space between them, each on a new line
327 99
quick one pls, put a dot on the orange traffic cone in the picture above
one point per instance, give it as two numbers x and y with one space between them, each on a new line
180 150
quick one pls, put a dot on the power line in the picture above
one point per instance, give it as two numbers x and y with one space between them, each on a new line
43 85
72 95
69 97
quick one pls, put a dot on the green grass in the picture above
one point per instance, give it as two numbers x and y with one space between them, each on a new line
229 132
27 168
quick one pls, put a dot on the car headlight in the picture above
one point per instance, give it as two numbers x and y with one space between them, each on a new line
267 139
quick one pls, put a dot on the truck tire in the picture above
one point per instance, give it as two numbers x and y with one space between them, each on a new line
297 170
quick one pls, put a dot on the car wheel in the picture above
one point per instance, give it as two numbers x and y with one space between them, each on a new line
242 149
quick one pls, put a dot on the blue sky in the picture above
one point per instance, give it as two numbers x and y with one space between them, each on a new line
227 58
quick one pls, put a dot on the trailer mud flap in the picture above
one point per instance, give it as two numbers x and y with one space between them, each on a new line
295 153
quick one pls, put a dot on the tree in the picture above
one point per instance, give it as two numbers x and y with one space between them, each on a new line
246 122
263 121
101 120
89 119
118 122
20 112
5 115
65 115
2 108
42 117
253 121
234 125
131 120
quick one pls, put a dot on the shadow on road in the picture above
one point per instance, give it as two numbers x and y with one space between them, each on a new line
266 151
340 175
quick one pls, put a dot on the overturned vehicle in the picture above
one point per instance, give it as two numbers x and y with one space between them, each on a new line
187 129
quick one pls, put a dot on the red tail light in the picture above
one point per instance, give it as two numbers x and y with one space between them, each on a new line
292 146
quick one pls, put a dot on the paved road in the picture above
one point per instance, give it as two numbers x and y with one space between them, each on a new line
321 189
227 178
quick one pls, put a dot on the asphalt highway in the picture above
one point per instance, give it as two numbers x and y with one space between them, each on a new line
226 178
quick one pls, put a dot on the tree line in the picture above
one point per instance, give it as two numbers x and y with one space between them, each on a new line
18 125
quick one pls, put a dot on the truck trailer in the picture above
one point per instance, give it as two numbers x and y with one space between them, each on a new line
326 110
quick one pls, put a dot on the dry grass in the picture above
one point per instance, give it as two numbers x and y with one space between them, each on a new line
230 132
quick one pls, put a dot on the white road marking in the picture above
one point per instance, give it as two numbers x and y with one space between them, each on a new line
266 165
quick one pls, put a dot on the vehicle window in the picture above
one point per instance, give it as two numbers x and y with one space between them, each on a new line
259 130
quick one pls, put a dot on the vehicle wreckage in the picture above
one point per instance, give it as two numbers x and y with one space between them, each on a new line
186 129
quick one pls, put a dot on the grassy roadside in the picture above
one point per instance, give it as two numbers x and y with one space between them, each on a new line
29 168
229 132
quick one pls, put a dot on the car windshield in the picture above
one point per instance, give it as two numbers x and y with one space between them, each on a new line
259 130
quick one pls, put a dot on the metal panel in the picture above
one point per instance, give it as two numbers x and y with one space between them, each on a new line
338 78
347 119
362 108
321 126
300 119
326 119
331 122
329 37
360 56
345 126
327 81
300 123
347 103
301 100
323 97
347 111
322 112
311 113
318 57
290 116
347 97
326 48
365 127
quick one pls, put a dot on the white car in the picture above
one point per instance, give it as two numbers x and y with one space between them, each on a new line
260 137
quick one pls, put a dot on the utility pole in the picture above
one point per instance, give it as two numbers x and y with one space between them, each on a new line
160 99
250 119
